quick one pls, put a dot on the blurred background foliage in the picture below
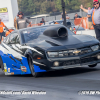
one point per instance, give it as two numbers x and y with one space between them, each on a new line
34 7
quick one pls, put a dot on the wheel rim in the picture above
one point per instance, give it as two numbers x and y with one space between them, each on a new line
31 67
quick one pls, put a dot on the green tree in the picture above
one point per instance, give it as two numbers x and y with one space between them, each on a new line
30 7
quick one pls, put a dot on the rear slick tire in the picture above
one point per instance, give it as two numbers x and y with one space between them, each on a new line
1 64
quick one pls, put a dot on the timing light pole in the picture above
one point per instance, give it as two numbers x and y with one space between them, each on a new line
64 16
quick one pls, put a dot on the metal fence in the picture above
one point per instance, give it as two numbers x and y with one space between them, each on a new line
56 17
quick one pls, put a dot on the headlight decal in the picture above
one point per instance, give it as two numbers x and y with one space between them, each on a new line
53 54
95 48
74 52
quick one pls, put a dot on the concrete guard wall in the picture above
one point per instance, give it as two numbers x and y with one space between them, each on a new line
12 7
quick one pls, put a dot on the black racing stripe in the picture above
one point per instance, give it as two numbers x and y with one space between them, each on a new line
15 57
16 50
15 67
10 48
13 49
4 46
17 47
19 60
12 59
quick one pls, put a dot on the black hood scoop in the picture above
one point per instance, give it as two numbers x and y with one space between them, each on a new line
56 32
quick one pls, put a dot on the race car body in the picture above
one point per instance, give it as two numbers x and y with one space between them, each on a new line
45 48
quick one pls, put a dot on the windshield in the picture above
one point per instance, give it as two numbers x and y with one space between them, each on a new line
34 33
61 22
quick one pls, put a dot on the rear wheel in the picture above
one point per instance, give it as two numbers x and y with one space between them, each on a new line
34 74
94 65
1 64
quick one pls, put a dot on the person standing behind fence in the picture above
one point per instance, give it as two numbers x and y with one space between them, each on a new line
89 19
42 21
77 16
1 30
21 21
67 17
95 17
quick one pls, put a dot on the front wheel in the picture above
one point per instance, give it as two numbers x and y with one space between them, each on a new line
34 74
94 65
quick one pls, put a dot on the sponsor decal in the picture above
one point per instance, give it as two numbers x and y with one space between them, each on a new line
23 69
4 15
3 10
12 73
8 70
21 21
5 70
9 73
5 67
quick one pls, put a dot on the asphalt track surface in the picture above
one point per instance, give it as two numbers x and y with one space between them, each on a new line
58 85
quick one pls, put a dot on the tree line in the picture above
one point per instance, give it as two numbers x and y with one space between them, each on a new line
33 7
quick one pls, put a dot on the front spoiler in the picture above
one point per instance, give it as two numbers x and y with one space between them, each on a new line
74 66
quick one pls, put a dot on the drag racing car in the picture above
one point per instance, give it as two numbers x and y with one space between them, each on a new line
45 48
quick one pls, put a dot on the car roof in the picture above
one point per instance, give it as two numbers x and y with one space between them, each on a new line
59 20
41 26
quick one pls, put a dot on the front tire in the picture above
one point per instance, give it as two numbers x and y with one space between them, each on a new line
94 65
34 74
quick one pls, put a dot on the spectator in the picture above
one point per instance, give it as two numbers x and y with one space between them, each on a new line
42 21
21 21
89 19
89 16
95 17
67 17
77 16
85 10
1 30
